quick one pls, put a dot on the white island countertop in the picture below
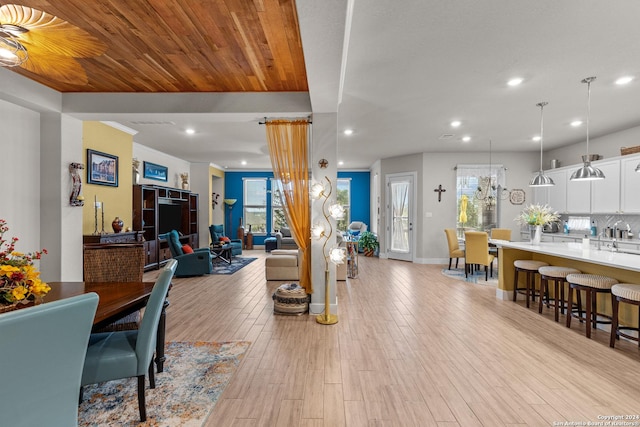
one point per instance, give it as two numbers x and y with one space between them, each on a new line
571 250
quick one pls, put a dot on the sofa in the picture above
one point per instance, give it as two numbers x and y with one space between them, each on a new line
284 239
217 234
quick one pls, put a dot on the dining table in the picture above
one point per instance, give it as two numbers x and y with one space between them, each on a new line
116 300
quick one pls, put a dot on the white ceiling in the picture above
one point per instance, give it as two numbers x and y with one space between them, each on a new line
414 66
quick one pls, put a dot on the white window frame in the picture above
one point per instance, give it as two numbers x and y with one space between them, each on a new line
247 206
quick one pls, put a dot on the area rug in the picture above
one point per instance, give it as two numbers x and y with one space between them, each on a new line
220 267
476 277
195 374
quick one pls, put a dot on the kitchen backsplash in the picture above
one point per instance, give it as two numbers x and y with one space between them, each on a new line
604 221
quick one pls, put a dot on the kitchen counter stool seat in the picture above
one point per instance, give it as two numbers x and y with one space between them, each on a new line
628 293
558 276
530 267
592 285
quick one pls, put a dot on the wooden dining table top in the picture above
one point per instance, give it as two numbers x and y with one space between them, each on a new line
116 299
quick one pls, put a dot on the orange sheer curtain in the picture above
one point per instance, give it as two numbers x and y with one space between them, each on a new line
288 148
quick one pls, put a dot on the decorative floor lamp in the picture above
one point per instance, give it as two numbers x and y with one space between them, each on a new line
229 203
336 255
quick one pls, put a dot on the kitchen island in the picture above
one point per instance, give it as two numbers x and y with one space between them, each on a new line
625 267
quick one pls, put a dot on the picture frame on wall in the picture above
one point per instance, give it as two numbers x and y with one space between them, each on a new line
156 172
103 168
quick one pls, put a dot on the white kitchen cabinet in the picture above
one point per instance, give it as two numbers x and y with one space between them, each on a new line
578 195
605 193
629 185
557 195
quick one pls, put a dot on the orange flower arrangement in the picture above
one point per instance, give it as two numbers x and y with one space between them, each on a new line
19 279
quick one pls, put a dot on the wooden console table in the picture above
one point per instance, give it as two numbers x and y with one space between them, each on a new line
127 237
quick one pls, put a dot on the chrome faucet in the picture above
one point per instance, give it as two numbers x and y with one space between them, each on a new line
614 245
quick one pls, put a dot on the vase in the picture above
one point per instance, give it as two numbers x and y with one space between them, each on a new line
536 234
117 225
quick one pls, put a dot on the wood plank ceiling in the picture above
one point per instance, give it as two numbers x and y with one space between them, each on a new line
182 45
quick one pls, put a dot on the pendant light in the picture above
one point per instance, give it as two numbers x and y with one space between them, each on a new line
587 172
541 180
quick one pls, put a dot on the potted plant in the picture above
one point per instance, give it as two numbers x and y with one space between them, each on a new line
368 242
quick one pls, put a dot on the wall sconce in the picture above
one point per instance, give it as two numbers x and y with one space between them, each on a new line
336 255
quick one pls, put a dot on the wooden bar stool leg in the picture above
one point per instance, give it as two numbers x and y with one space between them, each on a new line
556 290
614 321
589 309
544 282
569 312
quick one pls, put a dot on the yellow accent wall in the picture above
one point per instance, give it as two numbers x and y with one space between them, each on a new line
117 201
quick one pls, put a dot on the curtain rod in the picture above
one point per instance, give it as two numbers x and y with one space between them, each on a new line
265 120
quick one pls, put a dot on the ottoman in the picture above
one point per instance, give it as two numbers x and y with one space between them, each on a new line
282 264
290 299
270 243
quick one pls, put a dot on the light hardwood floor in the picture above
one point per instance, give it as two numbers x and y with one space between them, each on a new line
412 348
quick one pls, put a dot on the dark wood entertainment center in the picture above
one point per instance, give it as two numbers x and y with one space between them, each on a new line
146 217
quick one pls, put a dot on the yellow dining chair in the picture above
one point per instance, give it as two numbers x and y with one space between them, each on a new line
501 233
454 247
477 252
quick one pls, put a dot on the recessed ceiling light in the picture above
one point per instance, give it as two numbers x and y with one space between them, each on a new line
576 123
624 80
348 131
243 163
455 123
515 81
340 163
466 138
190 131
535 139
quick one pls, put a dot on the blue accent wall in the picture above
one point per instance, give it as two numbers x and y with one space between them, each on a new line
360 195
233 187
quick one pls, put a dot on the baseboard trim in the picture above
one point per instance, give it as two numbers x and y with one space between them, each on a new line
503 295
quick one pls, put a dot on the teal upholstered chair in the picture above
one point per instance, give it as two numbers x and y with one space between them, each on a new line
193 264
43 350
217 231
126 354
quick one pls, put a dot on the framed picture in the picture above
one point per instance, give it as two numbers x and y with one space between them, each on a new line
516 196
103 168
153 171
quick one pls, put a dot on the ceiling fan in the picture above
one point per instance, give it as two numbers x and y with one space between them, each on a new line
45 44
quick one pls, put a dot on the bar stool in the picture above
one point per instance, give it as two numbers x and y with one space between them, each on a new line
592 284
558 276
630 294
530 267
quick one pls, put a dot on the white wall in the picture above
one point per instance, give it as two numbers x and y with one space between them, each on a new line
20 175
607 146
175 165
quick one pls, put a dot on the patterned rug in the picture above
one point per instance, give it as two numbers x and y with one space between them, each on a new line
221 267
476 277
195 374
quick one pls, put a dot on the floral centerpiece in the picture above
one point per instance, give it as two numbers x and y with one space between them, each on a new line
535 216
19 279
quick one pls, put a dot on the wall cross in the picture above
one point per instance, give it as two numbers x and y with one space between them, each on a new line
440 190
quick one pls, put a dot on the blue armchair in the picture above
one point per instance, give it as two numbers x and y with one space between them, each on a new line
194 264
217 231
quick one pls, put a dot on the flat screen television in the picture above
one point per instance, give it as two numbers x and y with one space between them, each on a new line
169 218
